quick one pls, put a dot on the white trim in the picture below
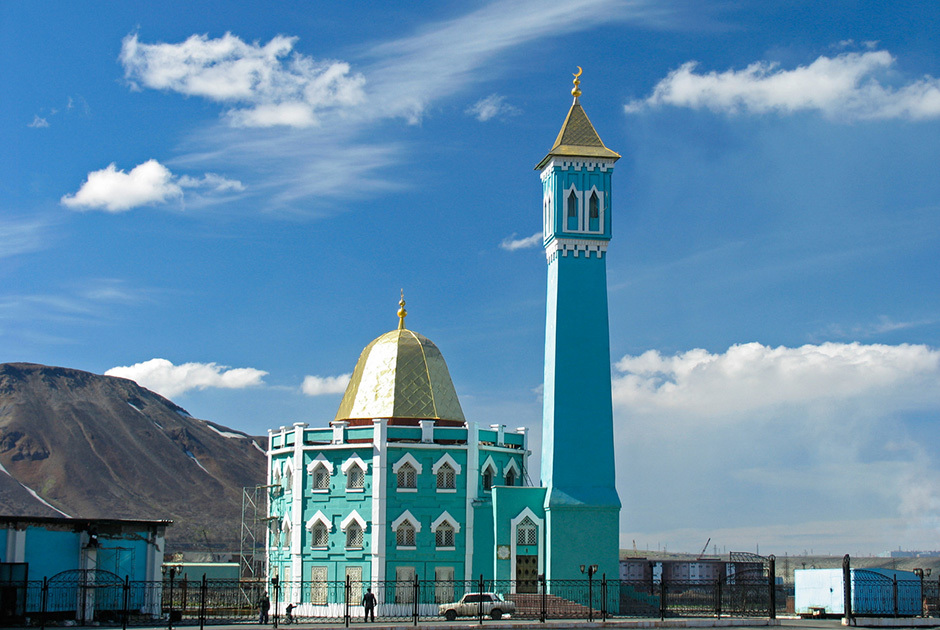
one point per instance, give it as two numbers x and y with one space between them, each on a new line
379 464
512 465
406 516
445 518
353 516
354 459
576 247
445 459
540 529
320 460
489 463
407 458
319 517
473 471
600 164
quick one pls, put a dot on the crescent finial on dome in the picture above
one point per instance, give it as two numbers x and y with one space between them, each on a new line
401 311
576 90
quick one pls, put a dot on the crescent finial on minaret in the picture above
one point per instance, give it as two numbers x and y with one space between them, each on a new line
576 90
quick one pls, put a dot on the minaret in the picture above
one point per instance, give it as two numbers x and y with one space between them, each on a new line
582 507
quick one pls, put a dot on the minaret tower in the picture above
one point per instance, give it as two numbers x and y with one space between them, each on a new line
581 506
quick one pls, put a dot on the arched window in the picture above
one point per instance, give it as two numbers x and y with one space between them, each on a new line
527 533
405 534
321 478
594 213
407 476
572 220
285 541
488 479
353 535
355 478
444 535
320 535
446 477
511 477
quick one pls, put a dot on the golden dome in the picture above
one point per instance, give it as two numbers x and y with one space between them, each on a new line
401 375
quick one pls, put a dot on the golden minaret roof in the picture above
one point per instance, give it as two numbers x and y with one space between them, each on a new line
401 374
577 137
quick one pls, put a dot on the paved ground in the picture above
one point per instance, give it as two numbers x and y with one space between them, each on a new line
575 624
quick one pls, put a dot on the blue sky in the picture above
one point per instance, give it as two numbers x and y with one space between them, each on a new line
223 202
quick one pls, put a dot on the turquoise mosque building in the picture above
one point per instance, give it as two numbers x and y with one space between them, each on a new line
401 485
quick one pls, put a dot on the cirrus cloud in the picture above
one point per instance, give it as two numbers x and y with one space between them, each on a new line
322 385
511 243
848 86
266 84
161 376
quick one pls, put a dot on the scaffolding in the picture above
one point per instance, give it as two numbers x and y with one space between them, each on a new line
252 552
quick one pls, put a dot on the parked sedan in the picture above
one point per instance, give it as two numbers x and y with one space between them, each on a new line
469 606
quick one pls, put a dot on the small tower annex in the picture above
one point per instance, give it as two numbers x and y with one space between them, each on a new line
582 508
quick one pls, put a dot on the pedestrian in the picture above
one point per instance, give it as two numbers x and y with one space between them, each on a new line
368 602
264 605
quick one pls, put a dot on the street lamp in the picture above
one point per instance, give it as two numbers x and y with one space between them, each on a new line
172 572
590 569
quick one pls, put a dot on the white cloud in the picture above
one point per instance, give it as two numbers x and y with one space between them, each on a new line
321 385
752 377
115 191
20 236
490 107
38 123
161 376
149 183
512 243
848 86
266 85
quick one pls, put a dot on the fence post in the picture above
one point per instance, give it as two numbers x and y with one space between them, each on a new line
772 585
543 600
894 591
124 613
662 598
415 600
276 581
347 591
202 602
847 587
45 596
480 592
604 596
718 597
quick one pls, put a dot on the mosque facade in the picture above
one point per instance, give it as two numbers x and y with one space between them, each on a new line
401 486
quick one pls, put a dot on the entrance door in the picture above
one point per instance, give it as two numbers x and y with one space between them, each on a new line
527 574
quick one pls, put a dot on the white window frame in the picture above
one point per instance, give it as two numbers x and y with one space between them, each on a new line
320 461
409 517
450 461
513 466
445 517
354 460
354 517
490 465
320 518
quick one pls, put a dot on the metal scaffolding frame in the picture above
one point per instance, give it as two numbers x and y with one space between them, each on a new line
252 552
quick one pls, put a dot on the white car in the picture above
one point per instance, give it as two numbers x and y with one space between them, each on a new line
469 606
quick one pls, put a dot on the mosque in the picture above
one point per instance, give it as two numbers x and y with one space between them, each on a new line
401 485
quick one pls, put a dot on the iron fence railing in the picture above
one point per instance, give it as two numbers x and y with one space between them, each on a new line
97 598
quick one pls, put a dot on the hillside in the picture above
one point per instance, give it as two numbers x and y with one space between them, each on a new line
93 446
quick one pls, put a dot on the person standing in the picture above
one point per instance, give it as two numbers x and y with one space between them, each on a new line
368 603
264 605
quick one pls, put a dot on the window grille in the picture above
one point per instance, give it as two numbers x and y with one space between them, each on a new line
355 478
321 478
446 478
354 535
407 477
444 535
405 536
527 533
318 587
321 535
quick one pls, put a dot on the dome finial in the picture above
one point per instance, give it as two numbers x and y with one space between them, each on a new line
401 311
576 91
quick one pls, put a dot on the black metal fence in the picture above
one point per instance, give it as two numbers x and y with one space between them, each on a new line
100 598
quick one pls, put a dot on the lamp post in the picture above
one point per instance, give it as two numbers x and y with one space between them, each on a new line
590 569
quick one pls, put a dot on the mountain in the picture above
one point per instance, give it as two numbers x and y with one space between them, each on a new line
91 446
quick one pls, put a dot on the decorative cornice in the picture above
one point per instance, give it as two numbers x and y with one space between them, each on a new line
576 247
575 165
